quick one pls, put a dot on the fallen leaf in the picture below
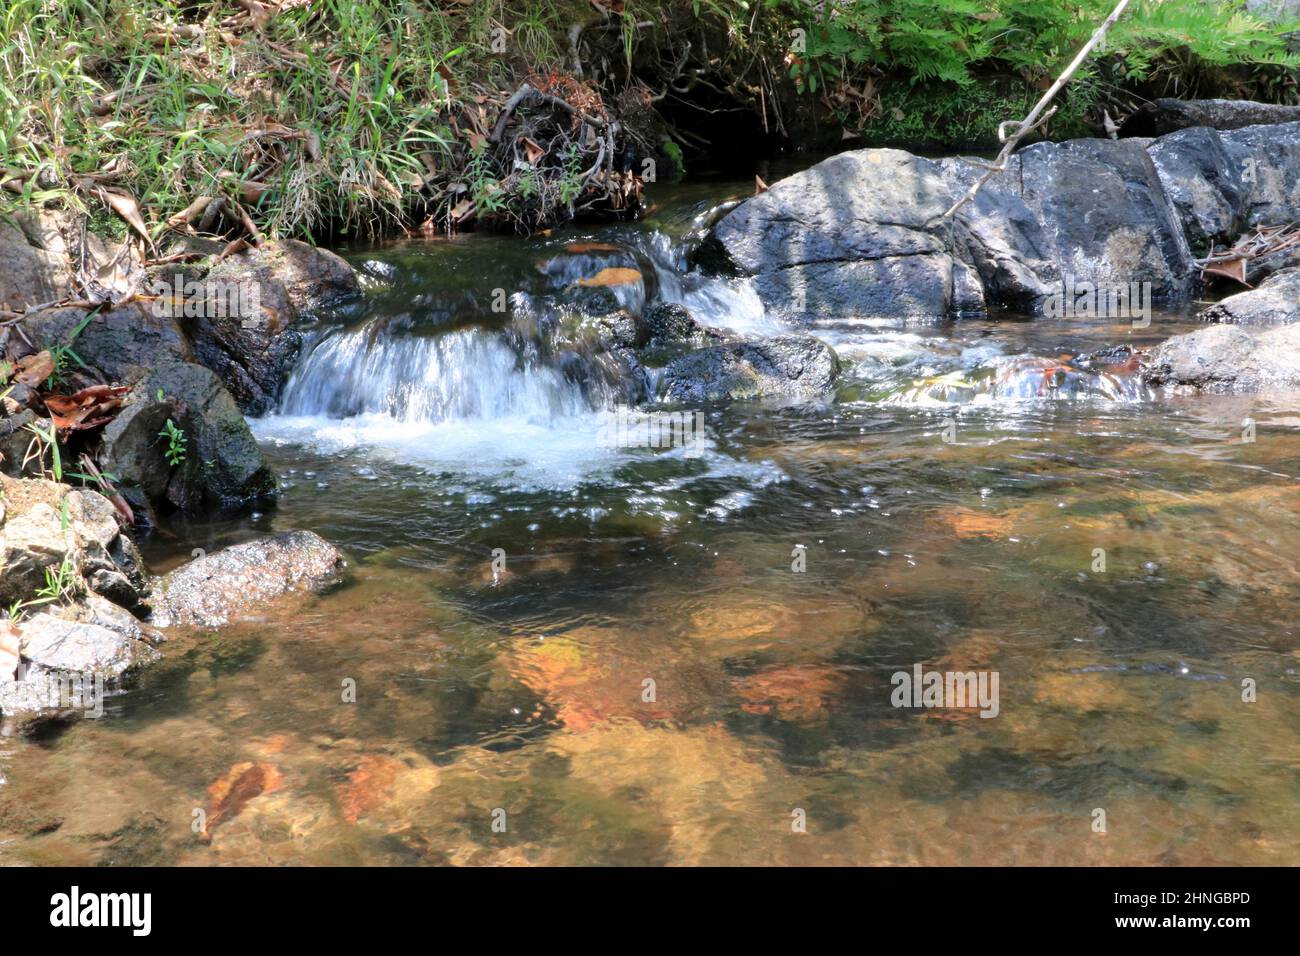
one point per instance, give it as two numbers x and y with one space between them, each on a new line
368 785
35 369
243 783
612 276
1234 269
532 150
88 408
126 207
583 247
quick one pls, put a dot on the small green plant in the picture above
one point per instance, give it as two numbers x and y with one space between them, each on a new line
63 354
175 442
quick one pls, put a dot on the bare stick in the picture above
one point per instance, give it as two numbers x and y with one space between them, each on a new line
1036 116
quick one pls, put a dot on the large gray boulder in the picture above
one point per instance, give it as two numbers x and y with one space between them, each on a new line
784 366
215 589
858 233
1275 302
862 235
1228 358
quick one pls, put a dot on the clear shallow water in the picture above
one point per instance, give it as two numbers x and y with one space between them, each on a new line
523 691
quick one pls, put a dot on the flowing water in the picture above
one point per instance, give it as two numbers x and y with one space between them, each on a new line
970 500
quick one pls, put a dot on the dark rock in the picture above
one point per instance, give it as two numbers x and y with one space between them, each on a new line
786 366
861 235
1105 215
215 589
859 232
666 322
1170 115
30 274
1275 302
1204 182
1002 236
124 343
279 282
1228 358
223 467
15 442
1268 161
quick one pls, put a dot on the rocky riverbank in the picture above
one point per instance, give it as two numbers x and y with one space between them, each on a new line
111 382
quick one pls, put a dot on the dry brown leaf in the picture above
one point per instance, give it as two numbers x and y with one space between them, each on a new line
126 207
612 276
581 247
531 150
243 783
88 408
35 369
1235 269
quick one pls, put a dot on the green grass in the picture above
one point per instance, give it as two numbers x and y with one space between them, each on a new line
346 117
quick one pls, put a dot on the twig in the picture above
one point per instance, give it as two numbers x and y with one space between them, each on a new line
1036 117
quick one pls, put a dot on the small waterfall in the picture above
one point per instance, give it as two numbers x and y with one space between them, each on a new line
465 373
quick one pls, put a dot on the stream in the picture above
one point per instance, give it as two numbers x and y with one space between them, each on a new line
947 503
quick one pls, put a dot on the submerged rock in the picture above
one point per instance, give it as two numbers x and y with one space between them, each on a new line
787 366
1228 358
1275 302
216 589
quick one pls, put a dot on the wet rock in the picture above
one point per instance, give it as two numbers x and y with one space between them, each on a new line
1228 358
218 588
252 347
1275 302
223 467
1169 115
123 343
70 655
666 322
788 366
